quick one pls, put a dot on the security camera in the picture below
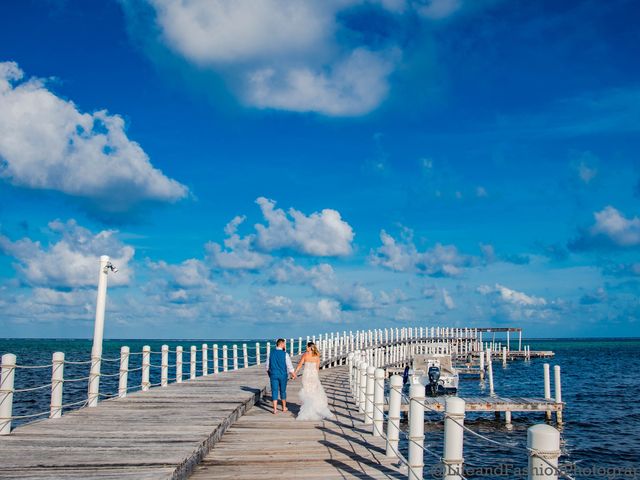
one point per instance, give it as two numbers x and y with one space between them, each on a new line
112 267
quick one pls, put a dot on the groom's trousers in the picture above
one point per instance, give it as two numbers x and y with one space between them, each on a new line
278 387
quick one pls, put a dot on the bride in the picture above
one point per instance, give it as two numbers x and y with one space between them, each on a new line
313 399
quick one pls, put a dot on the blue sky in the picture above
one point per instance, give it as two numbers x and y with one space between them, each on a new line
256 168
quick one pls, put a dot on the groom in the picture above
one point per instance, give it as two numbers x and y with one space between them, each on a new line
279 368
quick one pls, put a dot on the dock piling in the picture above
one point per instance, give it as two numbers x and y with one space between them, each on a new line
368 405
453 438
7 377
416 432
123 378
393 419
57 382
547 388
543 442
179 364
558 387
146 363
164 366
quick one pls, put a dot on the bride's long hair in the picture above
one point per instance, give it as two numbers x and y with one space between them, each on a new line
314 350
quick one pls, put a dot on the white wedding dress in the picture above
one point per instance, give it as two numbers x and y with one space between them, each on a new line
313 399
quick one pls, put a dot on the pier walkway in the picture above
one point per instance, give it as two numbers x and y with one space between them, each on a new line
263 445
162 433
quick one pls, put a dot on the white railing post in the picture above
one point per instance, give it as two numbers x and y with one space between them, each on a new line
490 371
235 356
269 350
362 394
558 388
178 364
245 355
98 332
205 360
146 363
291 348
225 358
378 403
123 378
7 377
368 406
543 442
547 387
453 438
164 365
416 432
57 382
257 353
216 360
393 421
193 357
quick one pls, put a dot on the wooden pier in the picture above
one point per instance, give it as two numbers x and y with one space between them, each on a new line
263 445
494 404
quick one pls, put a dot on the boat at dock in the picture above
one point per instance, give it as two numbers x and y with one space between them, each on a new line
436 372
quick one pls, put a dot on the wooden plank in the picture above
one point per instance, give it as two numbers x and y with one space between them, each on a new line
263 445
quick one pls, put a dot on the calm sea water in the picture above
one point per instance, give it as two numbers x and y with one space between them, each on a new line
600 385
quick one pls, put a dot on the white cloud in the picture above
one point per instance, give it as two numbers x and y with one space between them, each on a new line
322 234
191 273
404 314
72 261
403 256
439 9
514 297
447 301
238 252
353 85
46 142
619 230
329 309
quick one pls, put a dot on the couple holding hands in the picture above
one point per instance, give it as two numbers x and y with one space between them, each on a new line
313 399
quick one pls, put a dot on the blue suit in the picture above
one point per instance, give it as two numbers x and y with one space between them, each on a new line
278 374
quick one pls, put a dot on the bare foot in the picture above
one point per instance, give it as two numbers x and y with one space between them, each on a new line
275 412
285 409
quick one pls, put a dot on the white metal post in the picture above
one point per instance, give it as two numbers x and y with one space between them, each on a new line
216 361
179 364
257 353
7 377
453 438
393 421
235 356
225 358
363 387
291 348
205 360
57 382
124 372
543 442
558 388
245 355
164 366
98 333
146 363
368 406
416 432
490 371
299 345
192 362
378 403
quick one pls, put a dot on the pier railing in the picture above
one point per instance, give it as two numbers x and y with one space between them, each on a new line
159 368
367 372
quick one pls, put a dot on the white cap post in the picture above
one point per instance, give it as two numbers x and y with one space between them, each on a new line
164 366
57 382
205 360
235 356
7 377
146 363
123 378
225 358
245 355
453 438
216 361
193 358
393 422
368 406
416 432
179 364
257 353
558 388
378 403
362 394
543 442
98 333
